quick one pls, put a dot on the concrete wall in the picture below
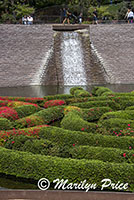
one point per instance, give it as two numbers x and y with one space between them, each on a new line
24 51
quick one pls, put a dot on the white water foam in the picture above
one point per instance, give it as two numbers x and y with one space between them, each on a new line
72 59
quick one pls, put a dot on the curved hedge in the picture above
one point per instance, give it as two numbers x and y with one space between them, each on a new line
26 110
103 154
73 121
44 116
5 124
66 137
128 115
116 123
90 104
58 96
28 165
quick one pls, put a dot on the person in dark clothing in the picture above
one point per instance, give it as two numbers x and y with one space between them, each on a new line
66 16
95 15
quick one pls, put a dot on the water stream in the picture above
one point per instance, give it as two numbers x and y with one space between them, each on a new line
72 59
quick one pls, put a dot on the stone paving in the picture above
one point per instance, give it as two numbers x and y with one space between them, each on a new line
114 45
22 53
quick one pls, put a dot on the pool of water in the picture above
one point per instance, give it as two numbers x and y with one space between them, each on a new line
40 91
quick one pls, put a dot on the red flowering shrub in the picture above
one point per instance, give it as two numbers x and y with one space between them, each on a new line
8 113
53 103
33 131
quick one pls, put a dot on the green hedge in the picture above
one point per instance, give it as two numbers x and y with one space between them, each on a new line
28 165
81 93
102 90
5 124
73 121
128 115
58 96
130 108
103 154
46 147
26 110
35 100
66 137
116 123
93 114
99 90
73 89
29 144
90 104
44 116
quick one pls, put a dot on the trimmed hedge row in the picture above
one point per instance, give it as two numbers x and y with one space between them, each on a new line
116 123
5 124
73 121
103 154
81 93
42 117
66 137
99 90
100 98
46 147
32 131
26 110
130 108
58 96
15 104
90 104
93 114
28 165
128 115
25 99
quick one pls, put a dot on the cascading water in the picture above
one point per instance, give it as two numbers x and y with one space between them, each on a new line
72 59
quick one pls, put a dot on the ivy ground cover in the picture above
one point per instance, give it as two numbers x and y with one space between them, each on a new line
77 137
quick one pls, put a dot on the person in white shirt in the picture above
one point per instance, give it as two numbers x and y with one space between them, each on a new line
30 20
24 20
130 16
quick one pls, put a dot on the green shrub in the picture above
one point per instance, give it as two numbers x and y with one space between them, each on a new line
73 121
116 123
94 113
99 90
73 89
128 115
26 110
5 124
28 165
58 96
44 116
103 154
102 90
16 142
90 104
81 93
66 137
130 108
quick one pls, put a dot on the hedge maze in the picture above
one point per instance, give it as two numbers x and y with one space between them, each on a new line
93 138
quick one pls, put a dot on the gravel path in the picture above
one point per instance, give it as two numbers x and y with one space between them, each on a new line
115 47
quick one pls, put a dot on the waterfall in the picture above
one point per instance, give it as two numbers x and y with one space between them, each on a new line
72 59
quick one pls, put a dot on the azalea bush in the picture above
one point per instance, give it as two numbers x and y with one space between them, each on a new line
51 103
8 113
